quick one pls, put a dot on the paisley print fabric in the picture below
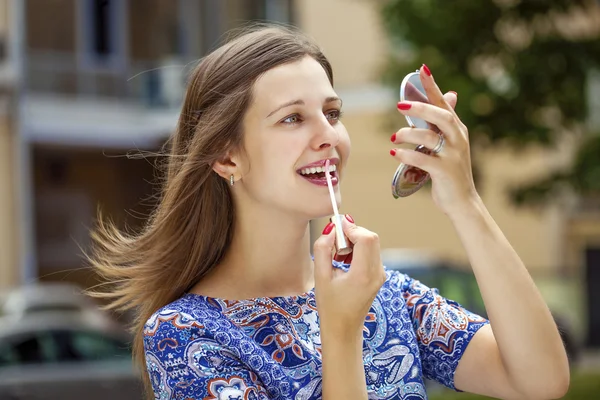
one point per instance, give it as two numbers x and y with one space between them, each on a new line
269 348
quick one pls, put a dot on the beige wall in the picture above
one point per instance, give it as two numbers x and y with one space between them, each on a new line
351 35
8 253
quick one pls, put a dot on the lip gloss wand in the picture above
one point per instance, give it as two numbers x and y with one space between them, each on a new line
341 242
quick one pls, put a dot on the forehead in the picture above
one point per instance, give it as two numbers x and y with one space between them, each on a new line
304 79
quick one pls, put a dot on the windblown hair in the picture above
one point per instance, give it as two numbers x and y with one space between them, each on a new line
190 230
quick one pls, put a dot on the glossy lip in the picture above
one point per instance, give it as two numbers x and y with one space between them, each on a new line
321 163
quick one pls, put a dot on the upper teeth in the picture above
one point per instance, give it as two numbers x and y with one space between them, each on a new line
314 170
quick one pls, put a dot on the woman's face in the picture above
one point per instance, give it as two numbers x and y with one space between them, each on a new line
291 124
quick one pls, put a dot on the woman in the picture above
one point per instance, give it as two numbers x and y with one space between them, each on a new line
222 278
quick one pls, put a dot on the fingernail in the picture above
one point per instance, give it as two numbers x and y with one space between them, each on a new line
404 106
393 152
426 69
349 218
393 138
452 91
328 228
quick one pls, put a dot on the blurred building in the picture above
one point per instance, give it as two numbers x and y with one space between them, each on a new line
8 85
100 78
104 77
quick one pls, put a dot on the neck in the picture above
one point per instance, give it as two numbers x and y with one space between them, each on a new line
269 255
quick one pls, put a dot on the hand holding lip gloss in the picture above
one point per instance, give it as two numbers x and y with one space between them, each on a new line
342 244
343 300
344 297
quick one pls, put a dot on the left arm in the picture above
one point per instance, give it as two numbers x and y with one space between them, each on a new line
520 354
524 354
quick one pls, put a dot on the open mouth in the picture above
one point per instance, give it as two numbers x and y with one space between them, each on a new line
317 176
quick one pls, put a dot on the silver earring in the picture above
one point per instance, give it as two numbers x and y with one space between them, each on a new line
231 182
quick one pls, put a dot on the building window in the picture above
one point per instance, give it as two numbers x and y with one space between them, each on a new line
101 15
102 32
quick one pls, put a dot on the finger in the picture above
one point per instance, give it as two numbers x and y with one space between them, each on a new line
425 137
350 228
434 94
417 159
451 98
361 238
445 120
366 249
322 250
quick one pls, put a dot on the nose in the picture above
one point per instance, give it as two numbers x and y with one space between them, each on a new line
325 136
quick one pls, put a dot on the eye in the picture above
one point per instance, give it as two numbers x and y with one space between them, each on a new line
292 119
333 115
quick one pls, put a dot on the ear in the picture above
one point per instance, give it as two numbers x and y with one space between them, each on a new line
227 166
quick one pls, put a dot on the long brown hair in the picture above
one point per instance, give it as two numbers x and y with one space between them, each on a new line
191 228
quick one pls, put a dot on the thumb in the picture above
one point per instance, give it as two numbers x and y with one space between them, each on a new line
323 252
350 229
451 98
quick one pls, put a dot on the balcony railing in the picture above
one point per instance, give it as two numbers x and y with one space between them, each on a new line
153 84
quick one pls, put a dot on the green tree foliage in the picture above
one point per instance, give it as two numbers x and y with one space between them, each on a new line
521 68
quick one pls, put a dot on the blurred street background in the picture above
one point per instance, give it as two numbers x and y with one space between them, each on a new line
85 83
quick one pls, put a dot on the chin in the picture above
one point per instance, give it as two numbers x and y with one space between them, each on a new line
324 211
315 204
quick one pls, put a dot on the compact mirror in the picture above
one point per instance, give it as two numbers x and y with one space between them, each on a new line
408 179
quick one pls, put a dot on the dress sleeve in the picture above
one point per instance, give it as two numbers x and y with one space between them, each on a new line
184 361
443 327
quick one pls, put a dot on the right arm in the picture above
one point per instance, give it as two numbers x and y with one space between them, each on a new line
343 371
343 301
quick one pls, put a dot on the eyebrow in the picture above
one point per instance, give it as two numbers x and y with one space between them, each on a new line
330 99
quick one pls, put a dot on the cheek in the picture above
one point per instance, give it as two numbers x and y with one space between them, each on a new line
344 146
268 157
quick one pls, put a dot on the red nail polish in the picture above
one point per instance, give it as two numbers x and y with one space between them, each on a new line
393 152
426 69
349 218
393 138
328 228
404 106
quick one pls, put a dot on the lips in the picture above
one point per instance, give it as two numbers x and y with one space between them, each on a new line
315 172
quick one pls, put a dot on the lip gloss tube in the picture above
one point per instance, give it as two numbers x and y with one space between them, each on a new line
342 244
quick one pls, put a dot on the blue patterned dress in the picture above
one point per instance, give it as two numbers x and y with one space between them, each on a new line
269 348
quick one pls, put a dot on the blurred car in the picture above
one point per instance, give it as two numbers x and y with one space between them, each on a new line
57 297
57 355
458 283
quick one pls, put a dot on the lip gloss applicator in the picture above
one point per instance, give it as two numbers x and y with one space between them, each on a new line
341 242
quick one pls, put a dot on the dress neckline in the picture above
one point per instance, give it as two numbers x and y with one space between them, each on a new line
305 295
